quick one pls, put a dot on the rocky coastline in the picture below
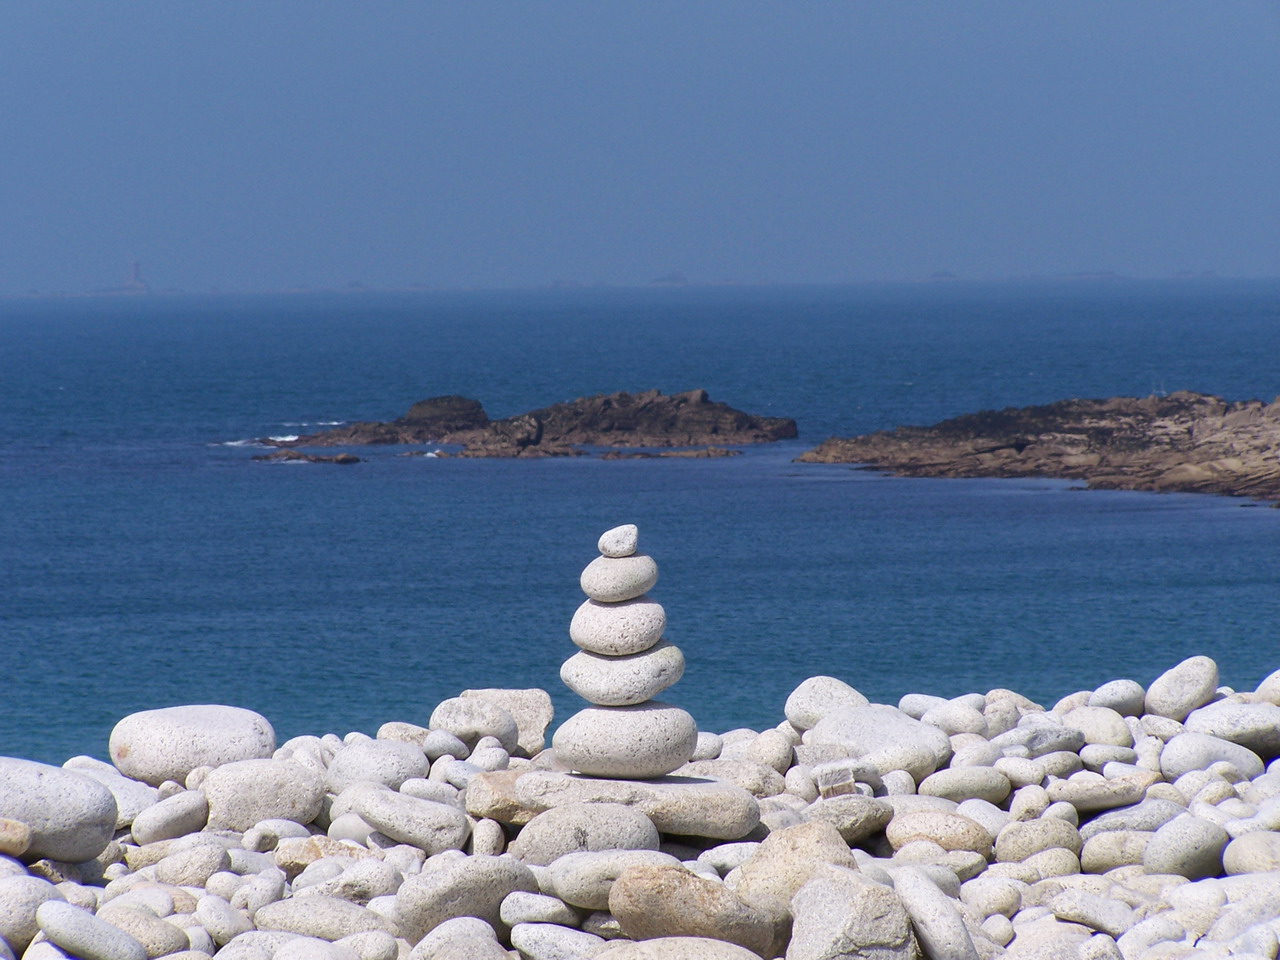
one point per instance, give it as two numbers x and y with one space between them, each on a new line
647 419
1124 822
1185 442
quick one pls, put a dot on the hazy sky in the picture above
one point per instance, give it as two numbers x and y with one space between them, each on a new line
255 145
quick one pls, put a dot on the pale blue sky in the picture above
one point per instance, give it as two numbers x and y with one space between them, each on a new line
311 143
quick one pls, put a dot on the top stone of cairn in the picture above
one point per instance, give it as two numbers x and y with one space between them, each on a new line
620 541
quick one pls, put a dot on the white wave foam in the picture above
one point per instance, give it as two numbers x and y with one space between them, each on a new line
312 423
240 443
284 438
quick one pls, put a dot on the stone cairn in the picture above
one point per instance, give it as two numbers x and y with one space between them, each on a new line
623 664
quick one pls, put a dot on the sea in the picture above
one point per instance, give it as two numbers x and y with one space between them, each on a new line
147 560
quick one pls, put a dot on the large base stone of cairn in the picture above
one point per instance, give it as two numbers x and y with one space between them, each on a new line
624 663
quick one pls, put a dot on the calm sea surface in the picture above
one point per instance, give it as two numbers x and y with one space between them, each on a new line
145 560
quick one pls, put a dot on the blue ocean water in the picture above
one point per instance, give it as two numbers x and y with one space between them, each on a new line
146 560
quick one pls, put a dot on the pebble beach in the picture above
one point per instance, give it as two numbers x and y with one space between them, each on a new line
1137 819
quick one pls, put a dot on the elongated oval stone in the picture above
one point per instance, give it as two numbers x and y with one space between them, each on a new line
614 579
618 629
632 743
622 681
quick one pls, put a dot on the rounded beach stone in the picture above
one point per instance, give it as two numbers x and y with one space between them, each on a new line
585 879
1257 852
676 948
951 718
158 937
620 541
328 918
1198 751
15 837
132 796
786 860
312 948
193 866
183 813
70 816
576 827
615 579
167 744
81 934
1188 847
618 629
840 913
1151 814
390 762
885 736
1115 848
462 938
521 907
855 816
1179 690
425 824
1100 725
951 831
1125 697
818 696
550 940
964 783
1252 725
1021 839
636 742
461 887
222 921
470 718
623 681
20 897
654 901
934 916
244 792
773 748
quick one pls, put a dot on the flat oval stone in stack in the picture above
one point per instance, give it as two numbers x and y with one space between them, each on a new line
623 664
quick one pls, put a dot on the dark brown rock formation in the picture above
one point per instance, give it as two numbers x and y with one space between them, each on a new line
1185 442
649 419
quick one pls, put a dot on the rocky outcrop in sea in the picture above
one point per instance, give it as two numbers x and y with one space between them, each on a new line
1184 442
1134 820
647 419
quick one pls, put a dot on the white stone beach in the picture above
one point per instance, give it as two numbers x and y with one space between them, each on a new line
1137 820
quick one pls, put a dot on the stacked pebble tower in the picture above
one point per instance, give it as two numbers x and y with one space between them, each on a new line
623 664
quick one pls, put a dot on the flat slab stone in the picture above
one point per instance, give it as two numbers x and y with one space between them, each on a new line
684 806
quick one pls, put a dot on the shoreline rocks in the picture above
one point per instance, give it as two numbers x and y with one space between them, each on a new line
647 419
1185 442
